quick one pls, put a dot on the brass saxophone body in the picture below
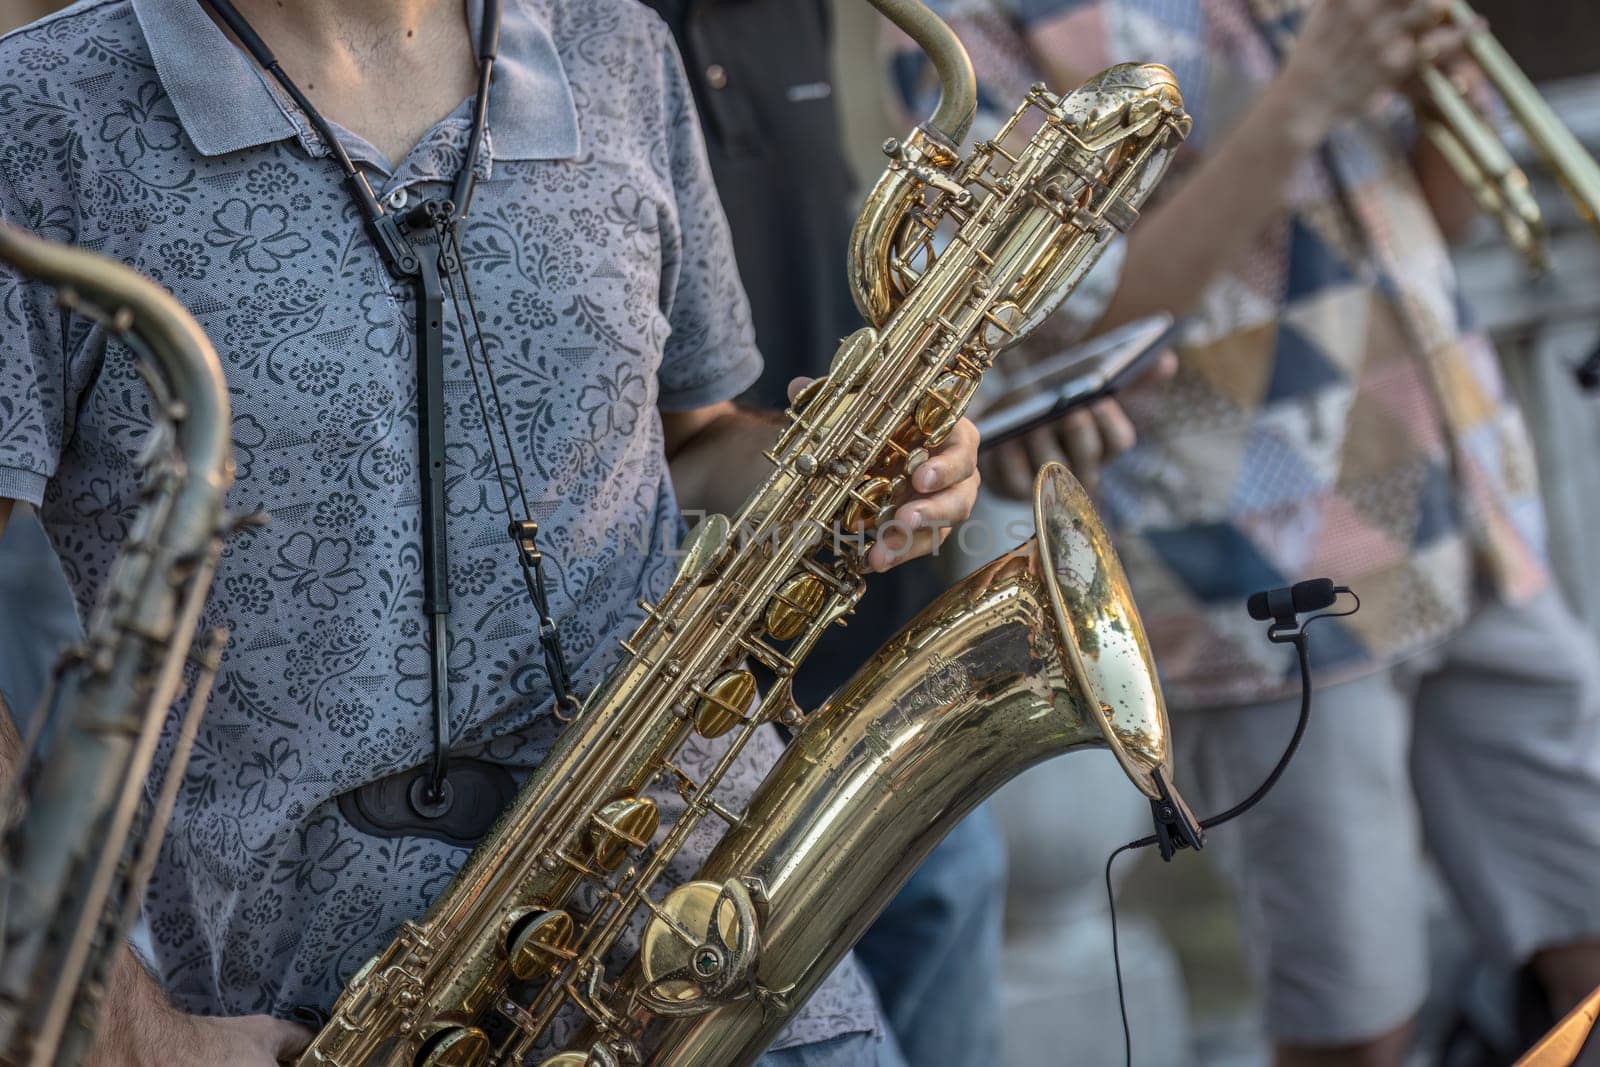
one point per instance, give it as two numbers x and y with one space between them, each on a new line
952 260
75 864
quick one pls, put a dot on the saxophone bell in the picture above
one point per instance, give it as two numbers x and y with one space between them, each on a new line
1037 654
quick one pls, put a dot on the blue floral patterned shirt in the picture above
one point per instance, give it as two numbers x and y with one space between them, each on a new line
602 269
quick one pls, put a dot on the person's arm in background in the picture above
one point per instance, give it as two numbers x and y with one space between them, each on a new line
1348 52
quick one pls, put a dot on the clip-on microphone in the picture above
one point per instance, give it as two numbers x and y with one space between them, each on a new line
1176 828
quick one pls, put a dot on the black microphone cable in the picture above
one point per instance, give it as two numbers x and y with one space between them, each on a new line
1283 607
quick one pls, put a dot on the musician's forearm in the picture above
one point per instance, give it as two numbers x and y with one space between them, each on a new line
1181 246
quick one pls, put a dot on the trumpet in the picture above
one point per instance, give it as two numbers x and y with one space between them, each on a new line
1479 156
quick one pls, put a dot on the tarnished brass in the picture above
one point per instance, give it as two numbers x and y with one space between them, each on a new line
726 701
940 410
794 605
623 826
456 1046
1020 220
536 941
1477 154
76 863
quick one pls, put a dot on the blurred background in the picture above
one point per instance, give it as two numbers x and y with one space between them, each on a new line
1188 992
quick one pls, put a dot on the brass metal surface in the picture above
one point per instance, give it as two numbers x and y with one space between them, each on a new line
1020 221
995 676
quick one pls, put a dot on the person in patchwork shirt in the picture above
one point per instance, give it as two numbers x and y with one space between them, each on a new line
1335 413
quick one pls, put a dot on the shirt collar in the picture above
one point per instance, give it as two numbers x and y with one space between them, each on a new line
226 105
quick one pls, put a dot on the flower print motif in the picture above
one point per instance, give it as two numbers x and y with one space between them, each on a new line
412 662
338 511
365 537
347 718
316 376
466 479
100 503
249 592
378 312
265 909
172 927
42 58
279 476
390 465
410 628
265 777
323 854
300 202
183 258
318 569
132 129
529 308
248 435
473 577
257 234
635 215
588 226
270 180
614 402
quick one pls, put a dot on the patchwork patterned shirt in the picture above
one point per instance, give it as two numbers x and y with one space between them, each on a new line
1335 413
602 269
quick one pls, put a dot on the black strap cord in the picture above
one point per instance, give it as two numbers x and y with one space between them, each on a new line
432 272
524 531
1283 607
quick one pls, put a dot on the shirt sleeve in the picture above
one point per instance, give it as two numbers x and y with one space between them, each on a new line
32 380
710 354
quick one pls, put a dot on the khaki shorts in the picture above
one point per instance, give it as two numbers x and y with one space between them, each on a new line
1485 750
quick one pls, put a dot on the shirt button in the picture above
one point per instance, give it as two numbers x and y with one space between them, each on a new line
716 77
398 198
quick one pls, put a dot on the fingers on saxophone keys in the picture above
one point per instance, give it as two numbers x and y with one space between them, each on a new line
898 543
954 462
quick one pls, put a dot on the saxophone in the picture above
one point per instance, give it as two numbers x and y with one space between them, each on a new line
76 861
951 261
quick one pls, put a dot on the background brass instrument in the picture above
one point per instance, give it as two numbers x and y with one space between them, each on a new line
1481 159
951 260
76 863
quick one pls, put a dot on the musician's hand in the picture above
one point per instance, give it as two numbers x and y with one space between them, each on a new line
1085 440
1349 51
944 488
139 1027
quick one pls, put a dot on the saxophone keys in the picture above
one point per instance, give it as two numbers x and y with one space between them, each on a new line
536 940
868 502
796 603
939 411
724 702
455 1046
621 825
700 947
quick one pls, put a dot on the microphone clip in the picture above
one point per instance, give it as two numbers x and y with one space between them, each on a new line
1176 826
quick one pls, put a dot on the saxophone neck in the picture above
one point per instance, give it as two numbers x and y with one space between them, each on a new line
958 86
